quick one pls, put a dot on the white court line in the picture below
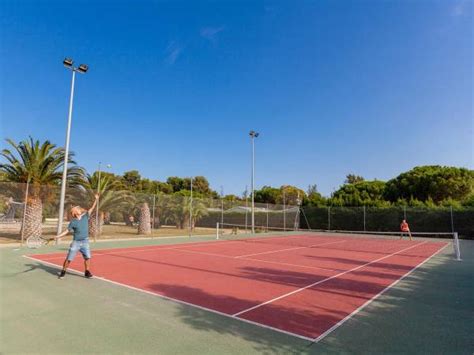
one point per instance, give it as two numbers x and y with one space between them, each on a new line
288 249
176 300
204 253
289 264
342 321
98 252
181 246
323 280
252 259
246 320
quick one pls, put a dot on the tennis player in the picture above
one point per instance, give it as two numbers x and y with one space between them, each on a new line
79 227
405 229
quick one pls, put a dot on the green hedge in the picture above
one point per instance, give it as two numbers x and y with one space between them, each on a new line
388 219
275 219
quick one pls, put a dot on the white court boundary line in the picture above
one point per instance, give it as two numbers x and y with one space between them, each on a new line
130 250
253 259
323 280
74 271
349 316
182 246
288 249
313 340
243 257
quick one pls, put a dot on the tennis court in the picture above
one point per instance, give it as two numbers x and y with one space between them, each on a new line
304 284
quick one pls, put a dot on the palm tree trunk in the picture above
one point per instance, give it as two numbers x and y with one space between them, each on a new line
95 232
144 220
33 217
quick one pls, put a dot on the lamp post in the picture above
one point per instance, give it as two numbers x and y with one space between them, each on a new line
253 135
68 63
108 166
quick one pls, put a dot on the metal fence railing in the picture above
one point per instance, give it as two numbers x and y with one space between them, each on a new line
387 219
29 209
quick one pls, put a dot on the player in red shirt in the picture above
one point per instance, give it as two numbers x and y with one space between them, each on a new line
405 229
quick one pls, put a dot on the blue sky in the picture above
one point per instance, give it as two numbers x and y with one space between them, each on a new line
334 87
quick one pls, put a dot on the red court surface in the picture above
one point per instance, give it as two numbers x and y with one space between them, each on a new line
302 285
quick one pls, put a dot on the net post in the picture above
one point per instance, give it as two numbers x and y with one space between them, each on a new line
452 218
217 230
456 247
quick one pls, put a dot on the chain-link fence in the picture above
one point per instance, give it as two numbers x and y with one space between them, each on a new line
376 219
30 209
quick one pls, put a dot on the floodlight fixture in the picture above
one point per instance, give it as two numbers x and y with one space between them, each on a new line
83 68
253 134
68 62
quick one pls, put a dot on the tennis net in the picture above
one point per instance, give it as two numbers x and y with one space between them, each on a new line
276 235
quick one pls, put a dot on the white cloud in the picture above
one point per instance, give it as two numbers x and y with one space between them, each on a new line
210 33
173 51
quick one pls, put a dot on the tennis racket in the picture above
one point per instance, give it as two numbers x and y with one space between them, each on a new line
35 242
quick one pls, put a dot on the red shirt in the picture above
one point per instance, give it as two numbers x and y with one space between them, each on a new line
404 227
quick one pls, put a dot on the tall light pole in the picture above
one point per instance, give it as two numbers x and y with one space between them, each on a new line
68 63
246 207
253 135
98 201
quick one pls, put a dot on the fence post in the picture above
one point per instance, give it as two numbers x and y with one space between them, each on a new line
246 211
153 214
267 217
364 218
222 211
329 218
217 230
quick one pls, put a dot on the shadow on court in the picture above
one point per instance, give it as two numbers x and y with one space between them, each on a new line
430 311
39 267
263 340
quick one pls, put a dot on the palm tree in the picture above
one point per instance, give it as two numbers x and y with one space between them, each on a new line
144 219
163 209
178 212
110 200
199 210
180 208
40 164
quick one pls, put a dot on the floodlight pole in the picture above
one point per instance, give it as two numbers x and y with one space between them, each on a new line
81 69
66 158
253 135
